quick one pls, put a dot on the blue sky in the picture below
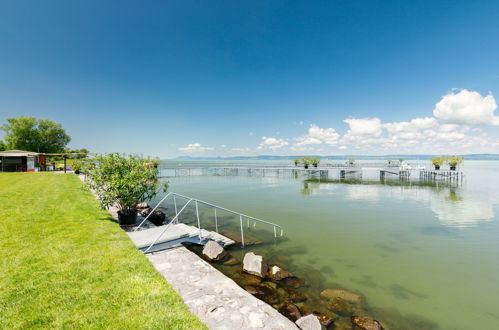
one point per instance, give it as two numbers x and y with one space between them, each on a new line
220 78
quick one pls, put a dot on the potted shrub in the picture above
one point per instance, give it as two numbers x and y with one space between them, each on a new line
123 181
305 161
77 166
437 162
296 161
315 161
453 161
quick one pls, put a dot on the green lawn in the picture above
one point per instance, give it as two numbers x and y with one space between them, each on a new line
65 264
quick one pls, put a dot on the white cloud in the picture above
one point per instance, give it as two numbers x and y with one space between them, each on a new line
272 143
454 129
317 135
364 126
467 108
194 147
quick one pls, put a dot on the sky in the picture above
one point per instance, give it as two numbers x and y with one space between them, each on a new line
239 78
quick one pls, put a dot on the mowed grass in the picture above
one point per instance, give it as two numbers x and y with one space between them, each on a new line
65 264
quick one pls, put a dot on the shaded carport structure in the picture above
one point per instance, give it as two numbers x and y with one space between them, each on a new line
18 161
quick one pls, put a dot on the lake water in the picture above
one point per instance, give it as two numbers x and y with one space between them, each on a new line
424 257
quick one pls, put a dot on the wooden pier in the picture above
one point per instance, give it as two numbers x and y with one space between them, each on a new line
434 175
318 172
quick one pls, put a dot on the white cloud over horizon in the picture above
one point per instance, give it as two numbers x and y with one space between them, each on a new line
195 148
457 126
271 143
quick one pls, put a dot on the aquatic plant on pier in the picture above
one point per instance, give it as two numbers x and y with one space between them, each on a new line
437 162
453 161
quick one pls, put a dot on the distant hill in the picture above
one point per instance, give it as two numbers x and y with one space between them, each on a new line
383 157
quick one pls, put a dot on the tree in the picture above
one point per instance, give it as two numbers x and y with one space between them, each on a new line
2 146
32 134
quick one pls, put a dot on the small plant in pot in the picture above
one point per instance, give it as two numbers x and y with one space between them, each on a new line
453 161
296 161
351 162
306 162
77 166
123 181
315 161
437 162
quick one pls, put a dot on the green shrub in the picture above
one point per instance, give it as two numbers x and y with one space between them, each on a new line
123 180
454 160
437 161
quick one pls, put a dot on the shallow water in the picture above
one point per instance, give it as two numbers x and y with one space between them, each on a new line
423 256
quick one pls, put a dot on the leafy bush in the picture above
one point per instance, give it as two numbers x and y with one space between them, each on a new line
123 180
454 160
437 161
315 161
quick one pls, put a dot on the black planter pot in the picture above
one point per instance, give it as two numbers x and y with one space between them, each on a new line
125 219
437 167
452 168
77 171
306 166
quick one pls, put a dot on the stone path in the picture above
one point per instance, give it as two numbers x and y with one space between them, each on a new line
213 297
216 299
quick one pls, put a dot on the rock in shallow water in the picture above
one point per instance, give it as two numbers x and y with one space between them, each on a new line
213 251
255 264
157 217
340 306
277 273
263 292
310 322
365 323
325 319
291 311
350 297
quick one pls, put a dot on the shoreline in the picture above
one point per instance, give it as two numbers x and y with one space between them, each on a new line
215 298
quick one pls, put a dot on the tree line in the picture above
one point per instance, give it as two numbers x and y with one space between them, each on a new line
36 135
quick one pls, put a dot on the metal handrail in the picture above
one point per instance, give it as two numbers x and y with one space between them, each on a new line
166 227
230 211
198 201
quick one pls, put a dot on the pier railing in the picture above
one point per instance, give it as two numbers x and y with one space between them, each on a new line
278 230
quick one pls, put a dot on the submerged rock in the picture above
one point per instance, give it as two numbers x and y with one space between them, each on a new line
263 292
365 323
325 319
310 322
254 264
157 217
350 297
213 251
343 323
277 273
340 306
231 262
296 296
293 282
291 311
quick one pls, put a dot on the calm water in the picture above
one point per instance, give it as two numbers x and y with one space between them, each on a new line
427 254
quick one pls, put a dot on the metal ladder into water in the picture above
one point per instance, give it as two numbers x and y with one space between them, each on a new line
157 238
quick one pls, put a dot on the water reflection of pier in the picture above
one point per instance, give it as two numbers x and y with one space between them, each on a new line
342 173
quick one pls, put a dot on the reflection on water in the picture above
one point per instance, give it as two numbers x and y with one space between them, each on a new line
425 256
452 205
